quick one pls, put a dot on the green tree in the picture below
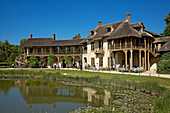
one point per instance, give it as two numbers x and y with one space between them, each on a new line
167 28
21 48
66 60
77 36
8 52
12 57
32 62
50 60
2 56
22 41
164 63
6 48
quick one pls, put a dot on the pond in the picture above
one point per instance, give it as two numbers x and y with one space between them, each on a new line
50 96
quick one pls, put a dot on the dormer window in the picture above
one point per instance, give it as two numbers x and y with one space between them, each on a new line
109 29
92 32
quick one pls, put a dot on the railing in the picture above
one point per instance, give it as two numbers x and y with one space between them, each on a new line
97 51
126 46
55 53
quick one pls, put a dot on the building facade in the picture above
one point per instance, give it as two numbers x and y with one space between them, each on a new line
119 44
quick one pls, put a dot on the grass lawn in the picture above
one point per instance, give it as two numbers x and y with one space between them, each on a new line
165 82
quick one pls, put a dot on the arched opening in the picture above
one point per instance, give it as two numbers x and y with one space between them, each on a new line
120 59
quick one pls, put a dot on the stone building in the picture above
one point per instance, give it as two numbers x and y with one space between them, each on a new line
122 44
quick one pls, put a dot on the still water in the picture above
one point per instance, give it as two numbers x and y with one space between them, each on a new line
50 96
47 96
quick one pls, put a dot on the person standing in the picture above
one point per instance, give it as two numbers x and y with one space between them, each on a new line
80 66
12 65
94 67
97 67
55 65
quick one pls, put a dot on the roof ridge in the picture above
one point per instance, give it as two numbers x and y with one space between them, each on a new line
136 23
111 23
40 38
70 39
129 32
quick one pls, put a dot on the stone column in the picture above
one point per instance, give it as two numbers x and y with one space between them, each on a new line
145 59
28 51
51 50
148 55
120 44
114 62
148 62
148 45
110 65
139 58
151 45
131 61
131 42
58 60
109 47
143 64
145 42
125 58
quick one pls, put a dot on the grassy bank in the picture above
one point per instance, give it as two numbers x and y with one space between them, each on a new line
154 84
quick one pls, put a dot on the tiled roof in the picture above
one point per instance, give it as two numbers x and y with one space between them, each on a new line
102 31
152 33
35 42
166 46
124 30
121 29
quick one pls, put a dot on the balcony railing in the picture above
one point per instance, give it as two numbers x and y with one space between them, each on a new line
126 46
57 53
100 51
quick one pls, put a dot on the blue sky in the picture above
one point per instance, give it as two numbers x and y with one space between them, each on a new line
66 18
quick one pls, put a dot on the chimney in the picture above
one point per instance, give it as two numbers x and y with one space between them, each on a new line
53 36
30 35
128 17
99 23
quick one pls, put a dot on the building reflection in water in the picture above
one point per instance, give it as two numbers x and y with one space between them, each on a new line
43 94
93 96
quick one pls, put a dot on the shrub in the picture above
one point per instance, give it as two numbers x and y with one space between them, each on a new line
87 67
50 60
123 69
137 70
164 64
32 62
103 69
